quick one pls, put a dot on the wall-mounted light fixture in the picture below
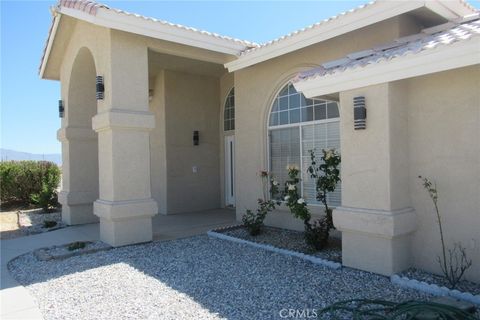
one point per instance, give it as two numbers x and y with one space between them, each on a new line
100 88
61 109
359 113
150 94
196 138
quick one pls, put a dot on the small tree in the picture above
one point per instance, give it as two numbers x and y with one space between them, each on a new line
454 268
326 175
253 221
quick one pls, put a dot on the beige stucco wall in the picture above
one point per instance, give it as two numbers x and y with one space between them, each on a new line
183 103
444 145
158 149
256 87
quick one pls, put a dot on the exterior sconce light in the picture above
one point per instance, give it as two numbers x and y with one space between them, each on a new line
150 95
196 138
61 109
359 113
100 88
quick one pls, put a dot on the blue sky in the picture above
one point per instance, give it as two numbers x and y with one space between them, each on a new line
29 115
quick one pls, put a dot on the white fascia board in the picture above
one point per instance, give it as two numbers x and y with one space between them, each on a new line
379 11
48 49
443 58
138 25
442 10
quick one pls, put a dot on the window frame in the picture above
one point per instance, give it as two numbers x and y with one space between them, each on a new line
224 110
300 126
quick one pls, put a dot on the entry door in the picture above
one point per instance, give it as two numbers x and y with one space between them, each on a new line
230 171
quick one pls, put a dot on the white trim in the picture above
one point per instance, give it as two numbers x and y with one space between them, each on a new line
304 123
442 58
433 289
229 162
51 37
373 13
267 247
155 29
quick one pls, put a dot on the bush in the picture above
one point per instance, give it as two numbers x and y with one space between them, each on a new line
76 245
30 182
253 221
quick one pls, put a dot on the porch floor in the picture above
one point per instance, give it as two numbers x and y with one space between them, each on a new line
174 226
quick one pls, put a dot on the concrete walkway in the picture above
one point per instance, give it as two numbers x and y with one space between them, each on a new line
15 300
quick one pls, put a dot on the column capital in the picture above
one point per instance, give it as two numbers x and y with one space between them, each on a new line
380 223
75 133
123 119
125 210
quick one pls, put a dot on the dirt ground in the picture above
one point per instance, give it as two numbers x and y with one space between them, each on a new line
9 225
9 220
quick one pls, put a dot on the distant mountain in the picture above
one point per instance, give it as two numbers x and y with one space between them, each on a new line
7 155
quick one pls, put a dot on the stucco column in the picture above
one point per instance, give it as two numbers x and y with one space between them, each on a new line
376 217
125 205
79 174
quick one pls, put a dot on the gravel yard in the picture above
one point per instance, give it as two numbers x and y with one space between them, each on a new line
192 278
420 275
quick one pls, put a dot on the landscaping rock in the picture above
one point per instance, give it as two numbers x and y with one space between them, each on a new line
192 278
63 251
424 276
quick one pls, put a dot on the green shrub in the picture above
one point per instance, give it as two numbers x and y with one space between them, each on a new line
49 224
29 182
76 245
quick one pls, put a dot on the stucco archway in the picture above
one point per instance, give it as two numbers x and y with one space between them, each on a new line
80 143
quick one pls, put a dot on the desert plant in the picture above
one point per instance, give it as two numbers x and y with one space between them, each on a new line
253 221
47 224
326 175
457 263
76 245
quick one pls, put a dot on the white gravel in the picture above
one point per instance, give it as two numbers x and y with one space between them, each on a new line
31 221
193 278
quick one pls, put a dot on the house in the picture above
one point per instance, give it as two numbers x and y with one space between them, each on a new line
163 118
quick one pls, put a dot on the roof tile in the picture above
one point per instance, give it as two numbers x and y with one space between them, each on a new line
426 40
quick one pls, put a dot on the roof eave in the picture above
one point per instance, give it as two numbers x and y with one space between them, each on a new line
48 47
458 55
379 11
133 24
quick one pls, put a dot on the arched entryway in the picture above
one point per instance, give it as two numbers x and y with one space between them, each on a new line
80 182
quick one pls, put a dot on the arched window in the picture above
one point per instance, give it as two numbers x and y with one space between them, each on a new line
229 113
297 125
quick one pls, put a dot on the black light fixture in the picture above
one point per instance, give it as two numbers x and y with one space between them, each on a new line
196 138
61 109
100 87
359 113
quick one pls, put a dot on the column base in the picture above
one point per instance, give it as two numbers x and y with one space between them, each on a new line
375 240
77 207
125 222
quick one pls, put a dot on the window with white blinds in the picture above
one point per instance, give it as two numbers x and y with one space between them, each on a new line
229 112
290 139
